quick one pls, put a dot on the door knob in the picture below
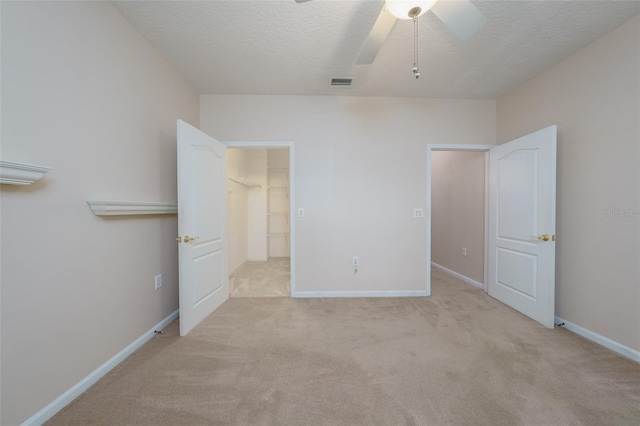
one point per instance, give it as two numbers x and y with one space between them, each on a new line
543 237
186 239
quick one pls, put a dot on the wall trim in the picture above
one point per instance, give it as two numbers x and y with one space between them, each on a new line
459 276
600 339
79 388
322 294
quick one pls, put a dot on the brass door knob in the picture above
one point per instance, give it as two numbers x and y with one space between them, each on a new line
543 237
188 238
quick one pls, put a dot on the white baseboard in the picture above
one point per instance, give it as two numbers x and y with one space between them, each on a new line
459 276
601 340
75 391
320 294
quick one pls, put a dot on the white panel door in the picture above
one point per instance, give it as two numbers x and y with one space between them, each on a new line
202 225
522 224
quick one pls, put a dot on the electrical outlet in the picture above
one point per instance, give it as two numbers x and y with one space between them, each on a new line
355 261
158 281
464 251
418 213
300 211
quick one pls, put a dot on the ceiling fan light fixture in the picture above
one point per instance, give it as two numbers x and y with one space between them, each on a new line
408 9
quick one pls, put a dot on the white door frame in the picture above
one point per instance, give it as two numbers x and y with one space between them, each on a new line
458 147
292 191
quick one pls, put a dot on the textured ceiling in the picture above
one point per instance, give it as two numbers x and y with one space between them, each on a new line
284 47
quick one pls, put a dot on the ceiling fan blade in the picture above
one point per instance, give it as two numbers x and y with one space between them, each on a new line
461 16
377 36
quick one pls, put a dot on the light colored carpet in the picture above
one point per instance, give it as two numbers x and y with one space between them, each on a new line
456 358
262 279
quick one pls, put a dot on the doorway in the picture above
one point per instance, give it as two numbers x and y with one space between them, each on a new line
459 211
520 194
261 229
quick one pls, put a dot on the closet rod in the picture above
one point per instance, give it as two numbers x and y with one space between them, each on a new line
245 182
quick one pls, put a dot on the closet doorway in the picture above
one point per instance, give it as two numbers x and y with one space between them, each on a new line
260 223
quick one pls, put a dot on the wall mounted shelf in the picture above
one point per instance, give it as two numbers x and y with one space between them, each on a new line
113 208
21 173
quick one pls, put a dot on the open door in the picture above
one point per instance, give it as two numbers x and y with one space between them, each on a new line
522 224
202 225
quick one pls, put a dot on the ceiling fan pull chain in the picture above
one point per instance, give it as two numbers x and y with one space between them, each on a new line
415 69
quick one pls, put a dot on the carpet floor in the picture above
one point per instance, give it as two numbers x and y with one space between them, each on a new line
458 357
262 279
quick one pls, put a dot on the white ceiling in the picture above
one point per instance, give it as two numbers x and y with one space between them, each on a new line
284 47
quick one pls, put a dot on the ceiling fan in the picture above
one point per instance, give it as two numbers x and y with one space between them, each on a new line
460 16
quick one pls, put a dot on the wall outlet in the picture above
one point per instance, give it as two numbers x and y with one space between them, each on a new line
300 211
464 251
355 261
418 213
158 281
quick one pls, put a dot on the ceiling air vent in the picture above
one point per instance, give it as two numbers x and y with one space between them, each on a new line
341 82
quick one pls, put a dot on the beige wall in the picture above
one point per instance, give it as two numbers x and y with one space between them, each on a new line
84 93
257 172
238 208
360 170
457 212
278 157
594 98
247 207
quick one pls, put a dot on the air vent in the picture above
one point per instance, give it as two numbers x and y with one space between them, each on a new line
341 82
